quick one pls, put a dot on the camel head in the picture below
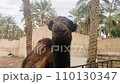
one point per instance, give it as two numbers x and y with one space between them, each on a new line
62 27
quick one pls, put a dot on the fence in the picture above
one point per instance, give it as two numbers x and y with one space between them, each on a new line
102 64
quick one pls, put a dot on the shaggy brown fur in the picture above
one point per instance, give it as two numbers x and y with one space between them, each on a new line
37 59
45 53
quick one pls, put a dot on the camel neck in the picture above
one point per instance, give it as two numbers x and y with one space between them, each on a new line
61 52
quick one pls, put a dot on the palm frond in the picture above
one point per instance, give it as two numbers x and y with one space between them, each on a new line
107 2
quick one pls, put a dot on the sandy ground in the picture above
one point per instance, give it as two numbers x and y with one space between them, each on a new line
15 62
10 62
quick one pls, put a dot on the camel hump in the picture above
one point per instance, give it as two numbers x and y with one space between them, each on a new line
46 41
42 46
39 55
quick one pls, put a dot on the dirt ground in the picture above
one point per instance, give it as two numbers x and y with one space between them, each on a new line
10 62
15 62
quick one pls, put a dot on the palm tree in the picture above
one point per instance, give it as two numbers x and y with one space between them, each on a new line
44 8
0 24
28 25
94 22
41 12
84 6
111 8
117 19
1 17
82 10
16 33
9 28
75 15
44 12
115 32
7 23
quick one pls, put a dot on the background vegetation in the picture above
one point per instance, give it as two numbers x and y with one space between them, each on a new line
109 17
9 28
42 12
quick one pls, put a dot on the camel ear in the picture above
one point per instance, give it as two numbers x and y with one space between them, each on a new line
73 26
50 25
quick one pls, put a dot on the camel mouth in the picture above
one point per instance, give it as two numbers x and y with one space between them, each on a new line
60 28
62 36
60 31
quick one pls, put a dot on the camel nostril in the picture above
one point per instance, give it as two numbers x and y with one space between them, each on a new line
64 30
61 30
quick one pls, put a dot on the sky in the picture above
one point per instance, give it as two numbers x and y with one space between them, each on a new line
12 7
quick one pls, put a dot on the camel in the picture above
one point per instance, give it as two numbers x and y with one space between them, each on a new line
55 52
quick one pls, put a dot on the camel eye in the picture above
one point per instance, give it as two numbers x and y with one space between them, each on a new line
63 22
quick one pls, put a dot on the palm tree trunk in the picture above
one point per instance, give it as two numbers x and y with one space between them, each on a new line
88 25
6 32
39 21
109 33
118 24
28 26
0 34
13 34
94 22
110 21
